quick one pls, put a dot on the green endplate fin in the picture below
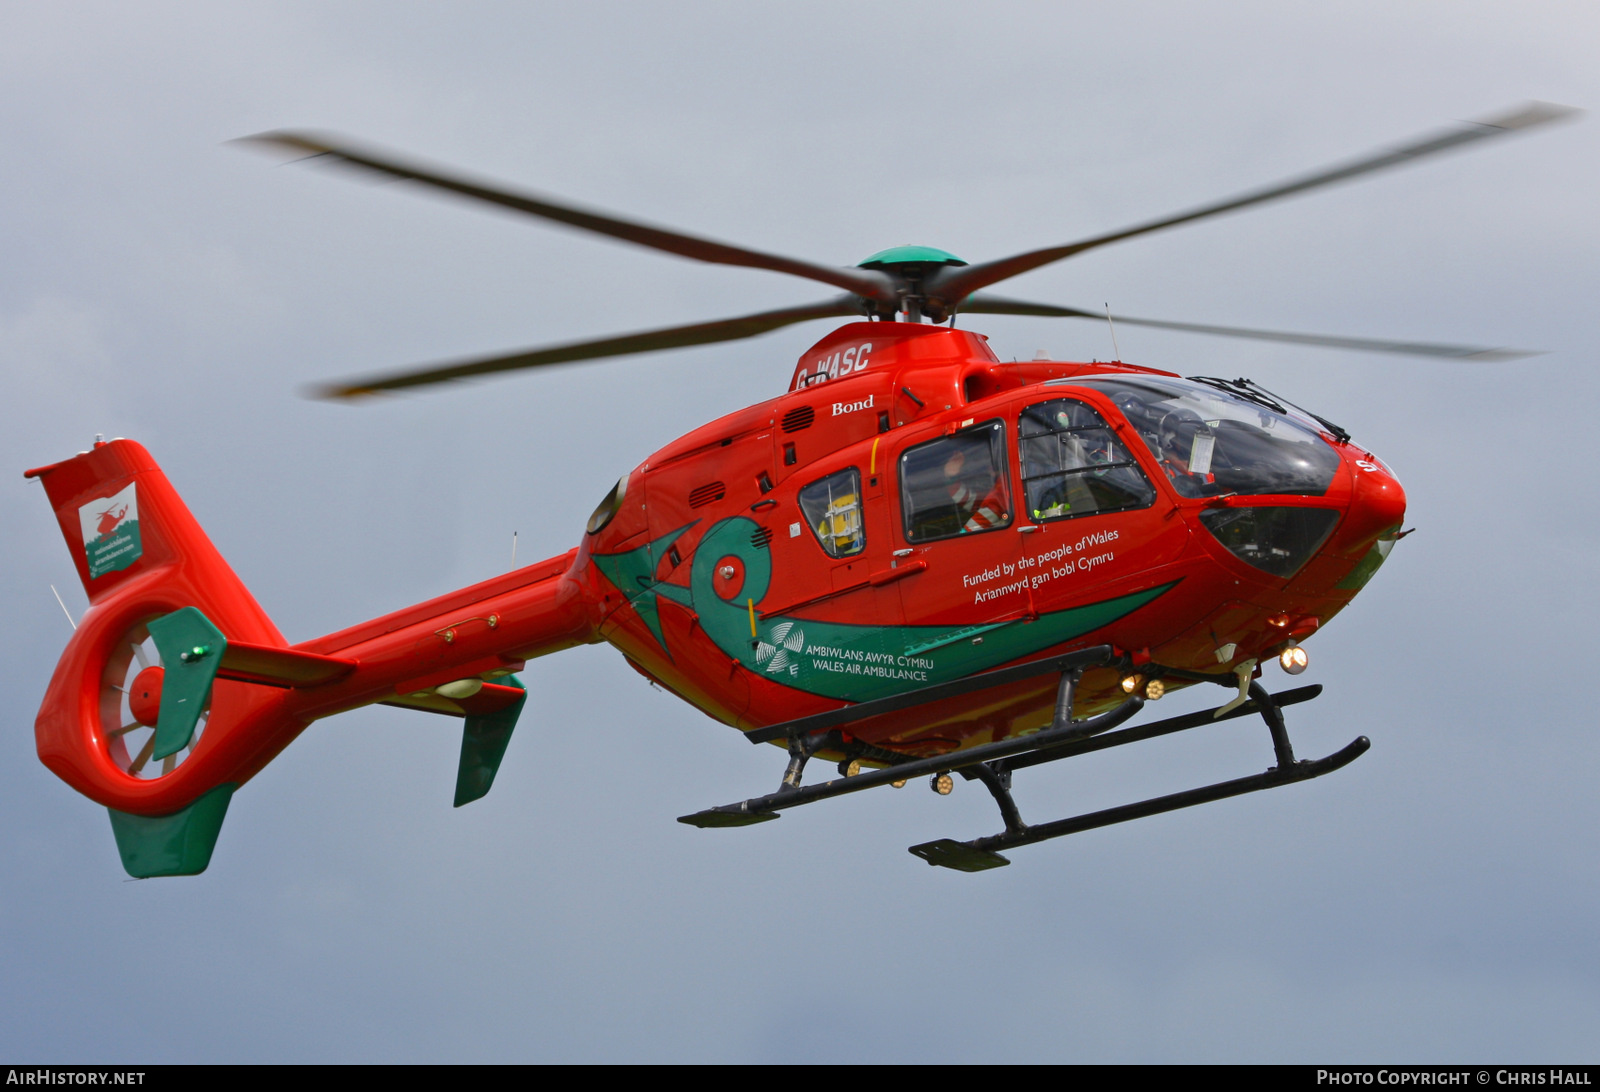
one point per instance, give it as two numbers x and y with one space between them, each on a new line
903 255
171 845
191 651
483 745
1357 578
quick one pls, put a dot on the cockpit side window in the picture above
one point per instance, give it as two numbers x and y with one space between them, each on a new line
1073 465
956 485
832 508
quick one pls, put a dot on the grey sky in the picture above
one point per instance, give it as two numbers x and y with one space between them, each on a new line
1435 901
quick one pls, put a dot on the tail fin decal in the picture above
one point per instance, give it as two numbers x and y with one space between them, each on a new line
123 521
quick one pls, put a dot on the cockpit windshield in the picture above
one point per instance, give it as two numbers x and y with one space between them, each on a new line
1212 443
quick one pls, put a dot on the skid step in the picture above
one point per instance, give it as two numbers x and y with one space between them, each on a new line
961 856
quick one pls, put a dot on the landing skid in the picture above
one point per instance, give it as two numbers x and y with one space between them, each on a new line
994 763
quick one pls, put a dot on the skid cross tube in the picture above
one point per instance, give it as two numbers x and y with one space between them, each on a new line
762 808
1154 729
801 748
1026 751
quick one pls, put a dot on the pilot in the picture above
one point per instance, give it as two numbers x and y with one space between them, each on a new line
1186 448
980 510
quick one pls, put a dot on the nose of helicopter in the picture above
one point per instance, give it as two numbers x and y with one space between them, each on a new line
1377 505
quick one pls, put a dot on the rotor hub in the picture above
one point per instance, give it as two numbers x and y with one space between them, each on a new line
911 266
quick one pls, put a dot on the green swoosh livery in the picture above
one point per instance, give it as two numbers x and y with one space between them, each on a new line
837 659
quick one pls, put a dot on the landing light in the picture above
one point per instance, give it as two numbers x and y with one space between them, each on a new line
1130 683
942 784
1154 689
1294 659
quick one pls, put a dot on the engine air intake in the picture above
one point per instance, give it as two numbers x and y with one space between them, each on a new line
801 417
702 495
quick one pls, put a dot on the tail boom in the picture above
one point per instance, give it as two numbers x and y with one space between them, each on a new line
485 632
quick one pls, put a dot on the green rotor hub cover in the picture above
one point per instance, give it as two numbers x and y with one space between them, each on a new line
910 255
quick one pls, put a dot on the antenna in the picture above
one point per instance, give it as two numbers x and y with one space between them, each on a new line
513 549
64 609
1114 348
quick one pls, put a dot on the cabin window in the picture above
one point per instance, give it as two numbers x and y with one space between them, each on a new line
956 485
1073 465
832 508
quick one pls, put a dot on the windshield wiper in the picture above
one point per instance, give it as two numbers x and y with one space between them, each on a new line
1255 392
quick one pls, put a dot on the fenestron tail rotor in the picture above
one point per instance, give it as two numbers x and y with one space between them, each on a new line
916 282
130 696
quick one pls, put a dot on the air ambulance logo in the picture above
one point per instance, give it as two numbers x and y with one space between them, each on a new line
788 639
111 532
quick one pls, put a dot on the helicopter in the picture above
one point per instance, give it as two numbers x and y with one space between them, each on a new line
919 561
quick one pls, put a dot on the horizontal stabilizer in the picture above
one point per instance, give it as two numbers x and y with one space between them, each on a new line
491 699
276 666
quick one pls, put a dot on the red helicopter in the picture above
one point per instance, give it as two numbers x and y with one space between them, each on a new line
918 561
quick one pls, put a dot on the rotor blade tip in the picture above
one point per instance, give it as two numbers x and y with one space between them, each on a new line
1497 356
1530 114
284 140
339 392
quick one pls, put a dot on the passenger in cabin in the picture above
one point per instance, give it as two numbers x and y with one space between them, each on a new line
981 504
956 484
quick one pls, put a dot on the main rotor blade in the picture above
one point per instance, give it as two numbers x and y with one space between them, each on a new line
673 337
956 283
863 282
996 305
